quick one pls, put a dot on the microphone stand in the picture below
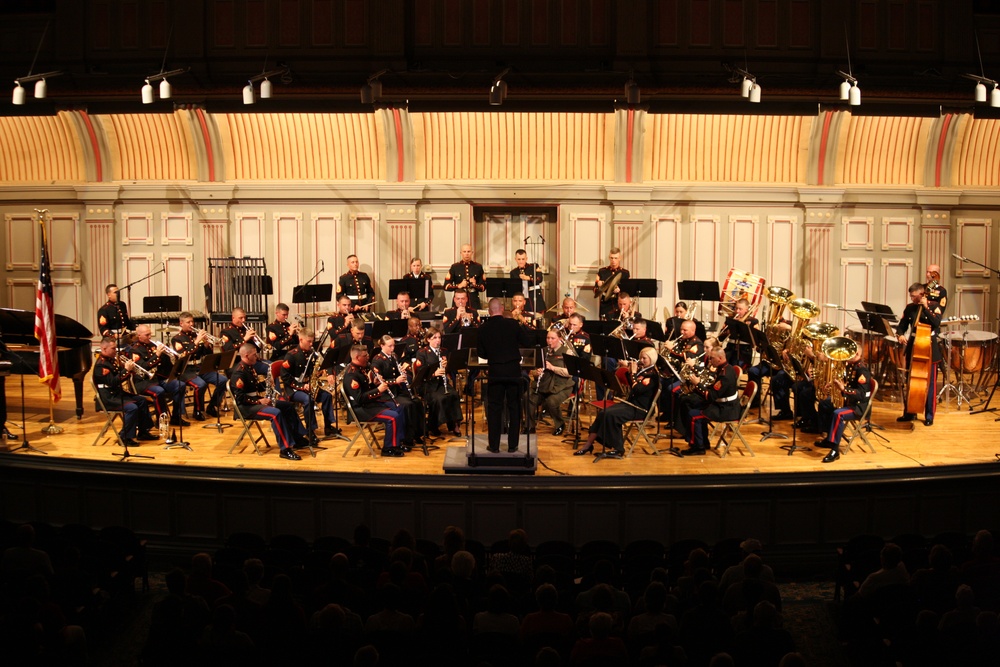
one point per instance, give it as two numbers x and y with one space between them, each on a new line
162 269
24 429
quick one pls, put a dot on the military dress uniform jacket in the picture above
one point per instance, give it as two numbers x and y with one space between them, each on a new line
292 367
109 376
460 271
858 388
358 286
280 340
453 323
112 317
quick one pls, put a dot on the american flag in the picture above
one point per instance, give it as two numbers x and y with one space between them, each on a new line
45 324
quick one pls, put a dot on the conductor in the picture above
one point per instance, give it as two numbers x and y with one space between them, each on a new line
500 340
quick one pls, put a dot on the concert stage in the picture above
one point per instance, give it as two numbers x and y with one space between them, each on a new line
929 480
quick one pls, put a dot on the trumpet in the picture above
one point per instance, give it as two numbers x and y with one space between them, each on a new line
209 338
174 354
142 372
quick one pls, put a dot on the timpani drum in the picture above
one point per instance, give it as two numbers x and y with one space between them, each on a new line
895 352
980 347
866 341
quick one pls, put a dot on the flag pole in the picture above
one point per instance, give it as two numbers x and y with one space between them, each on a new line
53 428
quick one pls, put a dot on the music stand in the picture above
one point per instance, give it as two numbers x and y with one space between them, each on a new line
772 358
314 294
394 328
503 288
161 305
699 290
881 309
177 369
575 365
418 288
217 362
638 288
654 329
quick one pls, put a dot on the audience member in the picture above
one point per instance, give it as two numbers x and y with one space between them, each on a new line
893 571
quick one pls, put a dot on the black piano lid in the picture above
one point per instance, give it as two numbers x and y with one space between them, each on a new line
15 323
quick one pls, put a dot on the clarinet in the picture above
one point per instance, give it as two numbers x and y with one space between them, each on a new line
541 372
442 364
406 380
378 377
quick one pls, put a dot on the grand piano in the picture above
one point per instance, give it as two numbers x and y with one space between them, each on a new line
72 340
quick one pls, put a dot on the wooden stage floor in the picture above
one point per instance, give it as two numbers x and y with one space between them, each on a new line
956 438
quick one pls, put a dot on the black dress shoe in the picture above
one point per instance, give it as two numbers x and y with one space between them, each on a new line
130 442
147 437
406 446
290 455
180 422
199 416
455 432
614 454
331 430
832 456
493 450
394 452
908 417
584 451
693 451
8 435
928 422
784 415
212 411
559 430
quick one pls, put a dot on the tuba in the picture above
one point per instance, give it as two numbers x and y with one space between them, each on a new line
776 334
839 350
816 333
802 310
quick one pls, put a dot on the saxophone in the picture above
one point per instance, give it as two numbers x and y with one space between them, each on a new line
314 379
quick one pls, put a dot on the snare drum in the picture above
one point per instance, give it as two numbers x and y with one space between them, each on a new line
980 346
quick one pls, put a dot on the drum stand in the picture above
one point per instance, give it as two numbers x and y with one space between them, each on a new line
960 388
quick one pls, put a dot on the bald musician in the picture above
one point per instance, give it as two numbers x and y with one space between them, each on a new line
468 275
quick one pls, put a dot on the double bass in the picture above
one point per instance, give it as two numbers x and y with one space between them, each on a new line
921 367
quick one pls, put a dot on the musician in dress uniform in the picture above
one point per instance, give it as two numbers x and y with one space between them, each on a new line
520 310
249 393
606 273
684 354
577 337
623 309
109 375
357 286
370 401
403 307
937 295
399 376
607 427
672 327
238 333
554 384
411 342
431 383
168 395
856 388
461 314
112 317
468 275
281 334
341 322
421 302
297 375
739 352
195 345
716 403
354 336
531 277
919 310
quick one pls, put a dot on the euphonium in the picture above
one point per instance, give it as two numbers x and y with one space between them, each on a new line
839 350
817 333
802 310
